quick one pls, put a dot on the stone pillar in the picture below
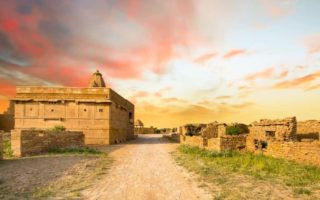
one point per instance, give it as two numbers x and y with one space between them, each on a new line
222 130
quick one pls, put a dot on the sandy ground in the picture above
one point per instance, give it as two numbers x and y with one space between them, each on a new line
20 177
144 169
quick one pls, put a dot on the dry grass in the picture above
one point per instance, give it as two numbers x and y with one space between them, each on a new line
70 185
234 175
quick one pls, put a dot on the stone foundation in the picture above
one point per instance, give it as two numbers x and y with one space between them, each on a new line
28 142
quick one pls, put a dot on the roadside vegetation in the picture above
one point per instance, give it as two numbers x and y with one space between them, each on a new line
237 175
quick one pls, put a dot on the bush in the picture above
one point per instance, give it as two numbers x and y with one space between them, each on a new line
236 129
58 128
74 150
7 151
194 129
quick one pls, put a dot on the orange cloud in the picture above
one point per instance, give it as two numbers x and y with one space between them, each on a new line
243 105
233 53
312 43
298 81
267 73
202 59
223 97
173 99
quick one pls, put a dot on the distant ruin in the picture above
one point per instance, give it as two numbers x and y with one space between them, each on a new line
139 128
283 138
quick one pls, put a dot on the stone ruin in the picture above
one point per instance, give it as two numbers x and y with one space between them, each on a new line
211 136
279 138
271 130
308 130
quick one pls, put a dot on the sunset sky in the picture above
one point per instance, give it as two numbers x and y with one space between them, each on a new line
183 61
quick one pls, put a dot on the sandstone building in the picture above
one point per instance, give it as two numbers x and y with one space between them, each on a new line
100 113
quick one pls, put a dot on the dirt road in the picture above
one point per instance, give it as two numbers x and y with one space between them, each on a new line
144 170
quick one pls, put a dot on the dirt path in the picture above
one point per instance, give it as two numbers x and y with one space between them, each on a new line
144 169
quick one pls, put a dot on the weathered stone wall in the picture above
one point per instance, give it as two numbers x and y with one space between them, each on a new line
28 142
172 136
214 144
308 130
6 122
196 141
303 152
144 130
1 145
214 130
279 130
228 142
211 131
234 142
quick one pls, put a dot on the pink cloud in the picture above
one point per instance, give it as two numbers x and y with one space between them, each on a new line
233 53
203 58
267 73
312 43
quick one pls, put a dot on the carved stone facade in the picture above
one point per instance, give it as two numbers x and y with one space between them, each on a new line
99 112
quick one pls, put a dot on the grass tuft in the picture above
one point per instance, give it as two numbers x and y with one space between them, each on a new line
74 150
7 151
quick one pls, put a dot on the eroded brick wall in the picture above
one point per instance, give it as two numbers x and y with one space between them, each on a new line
303 152
1 145
196 141
227 142
214 144
280 130
27 142
234 142
308 130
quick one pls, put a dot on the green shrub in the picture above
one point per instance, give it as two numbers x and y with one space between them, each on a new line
74 150
7 151
58 128
236 129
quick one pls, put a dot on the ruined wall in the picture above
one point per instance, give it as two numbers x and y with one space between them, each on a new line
214 130
196 141
303 152
27 142
279 130
308 130
225 143
213 144
6 122
211 131
234 142
1 145
144 130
